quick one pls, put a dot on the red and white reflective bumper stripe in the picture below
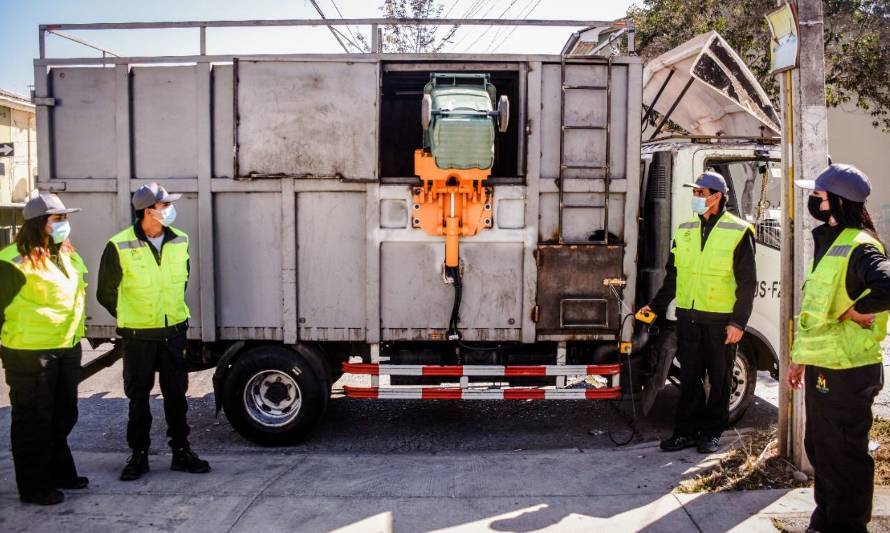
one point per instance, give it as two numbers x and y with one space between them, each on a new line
481 370
455 393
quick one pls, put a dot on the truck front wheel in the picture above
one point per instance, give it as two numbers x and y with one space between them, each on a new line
273 397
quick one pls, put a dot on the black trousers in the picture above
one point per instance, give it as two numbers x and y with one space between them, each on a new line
43 394
701 351
838 408
142 358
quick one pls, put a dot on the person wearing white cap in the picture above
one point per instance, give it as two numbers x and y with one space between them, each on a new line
142 280
42 301
712 275
837 351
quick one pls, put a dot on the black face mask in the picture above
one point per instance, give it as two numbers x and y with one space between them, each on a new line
813 206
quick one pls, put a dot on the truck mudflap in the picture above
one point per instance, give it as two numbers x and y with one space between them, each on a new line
598 382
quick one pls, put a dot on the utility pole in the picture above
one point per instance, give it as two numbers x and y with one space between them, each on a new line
805 153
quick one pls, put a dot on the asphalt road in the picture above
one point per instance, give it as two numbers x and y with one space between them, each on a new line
393 426
401 466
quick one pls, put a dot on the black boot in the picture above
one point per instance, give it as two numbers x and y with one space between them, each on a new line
44 497
136 466
79 482
185 460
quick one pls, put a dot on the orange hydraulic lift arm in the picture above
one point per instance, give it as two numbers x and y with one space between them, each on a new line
452 202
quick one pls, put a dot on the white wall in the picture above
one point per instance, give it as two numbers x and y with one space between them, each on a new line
852 139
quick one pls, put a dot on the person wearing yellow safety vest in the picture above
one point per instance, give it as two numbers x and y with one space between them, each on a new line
142 280
837 351
42 295
712 276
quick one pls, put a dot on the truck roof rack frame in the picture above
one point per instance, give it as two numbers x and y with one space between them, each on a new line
375 24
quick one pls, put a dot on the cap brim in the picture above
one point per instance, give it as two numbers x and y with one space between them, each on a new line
806 184
694 186
170 198
62 211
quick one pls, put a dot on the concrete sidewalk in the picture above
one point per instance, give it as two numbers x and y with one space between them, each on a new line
625 489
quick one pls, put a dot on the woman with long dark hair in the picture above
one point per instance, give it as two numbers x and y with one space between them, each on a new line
837 351
42 300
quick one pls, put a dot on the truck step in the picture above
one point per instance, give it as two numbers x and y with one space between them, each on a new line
457 393
374 369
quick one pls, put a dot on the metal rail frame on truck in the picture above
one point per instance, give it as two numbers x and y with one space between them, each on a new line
297 181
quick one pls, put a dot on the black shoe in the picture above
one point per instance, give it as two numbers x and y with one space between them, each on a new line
136 466
677 442
44 497
709 445
185 460
79 482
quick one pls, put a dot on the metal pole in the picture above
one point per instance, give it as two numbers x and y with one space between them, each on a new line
808 136
203 37
786 301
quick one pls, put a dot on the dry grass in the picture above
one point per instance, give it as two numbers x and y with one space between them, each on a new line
880 431
754 464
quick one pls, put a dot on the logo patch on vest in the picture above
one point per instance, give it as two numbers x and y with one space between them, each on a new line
821 383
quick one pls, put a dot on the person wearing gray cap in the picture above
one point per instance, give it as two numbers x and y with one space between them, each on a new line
711 274
42 301
836 353
142 280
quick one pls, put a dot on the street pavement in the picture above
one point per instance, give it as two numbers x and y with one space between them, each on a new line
404 466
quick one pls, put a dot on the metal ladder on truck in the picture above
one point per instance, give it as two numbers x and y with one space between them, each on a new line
565 166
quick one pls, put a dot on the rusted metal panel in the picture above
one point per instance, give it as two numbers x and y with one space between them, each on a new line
468 334
413 295
307 119
164 122
248 277
572 298
223 143
331 233
85 102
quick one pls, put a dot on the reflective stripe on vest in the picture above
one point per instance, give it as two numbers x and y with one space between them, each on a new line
48 311
151 295
821 340
705 277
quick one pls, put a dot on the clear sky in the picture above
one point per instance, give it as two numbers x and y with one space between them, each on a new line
18 37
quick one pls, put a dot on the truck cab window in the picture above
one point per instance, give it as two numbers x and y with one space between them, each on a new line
755 195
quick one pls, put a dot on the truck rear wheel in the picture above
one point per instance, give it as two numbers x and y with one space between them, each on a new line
744 380
273 397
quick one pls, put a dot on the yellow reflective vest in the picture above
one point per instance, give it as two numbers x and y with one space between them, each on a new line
48 312
151 295
705 277
821 340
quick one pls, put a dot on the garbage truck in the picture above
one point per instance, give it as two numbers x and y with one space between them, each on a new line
433 226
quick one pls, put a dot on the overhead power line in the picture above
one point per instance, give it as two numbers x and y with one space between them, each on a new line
334 32
530 11
354 39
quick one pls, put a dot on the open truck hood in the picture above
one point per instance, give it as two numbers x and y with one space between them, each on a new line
717 93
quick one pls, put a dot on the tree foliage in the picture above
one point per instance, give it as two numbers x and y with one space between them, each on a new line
413 39
857 43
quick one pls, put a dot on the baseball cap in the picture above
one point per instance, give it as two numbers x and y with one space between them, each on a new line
709 180
843 180
46 204
148 195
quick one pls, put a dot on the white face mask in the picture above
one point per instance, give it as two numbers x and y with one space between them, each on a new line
700 204
167 215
